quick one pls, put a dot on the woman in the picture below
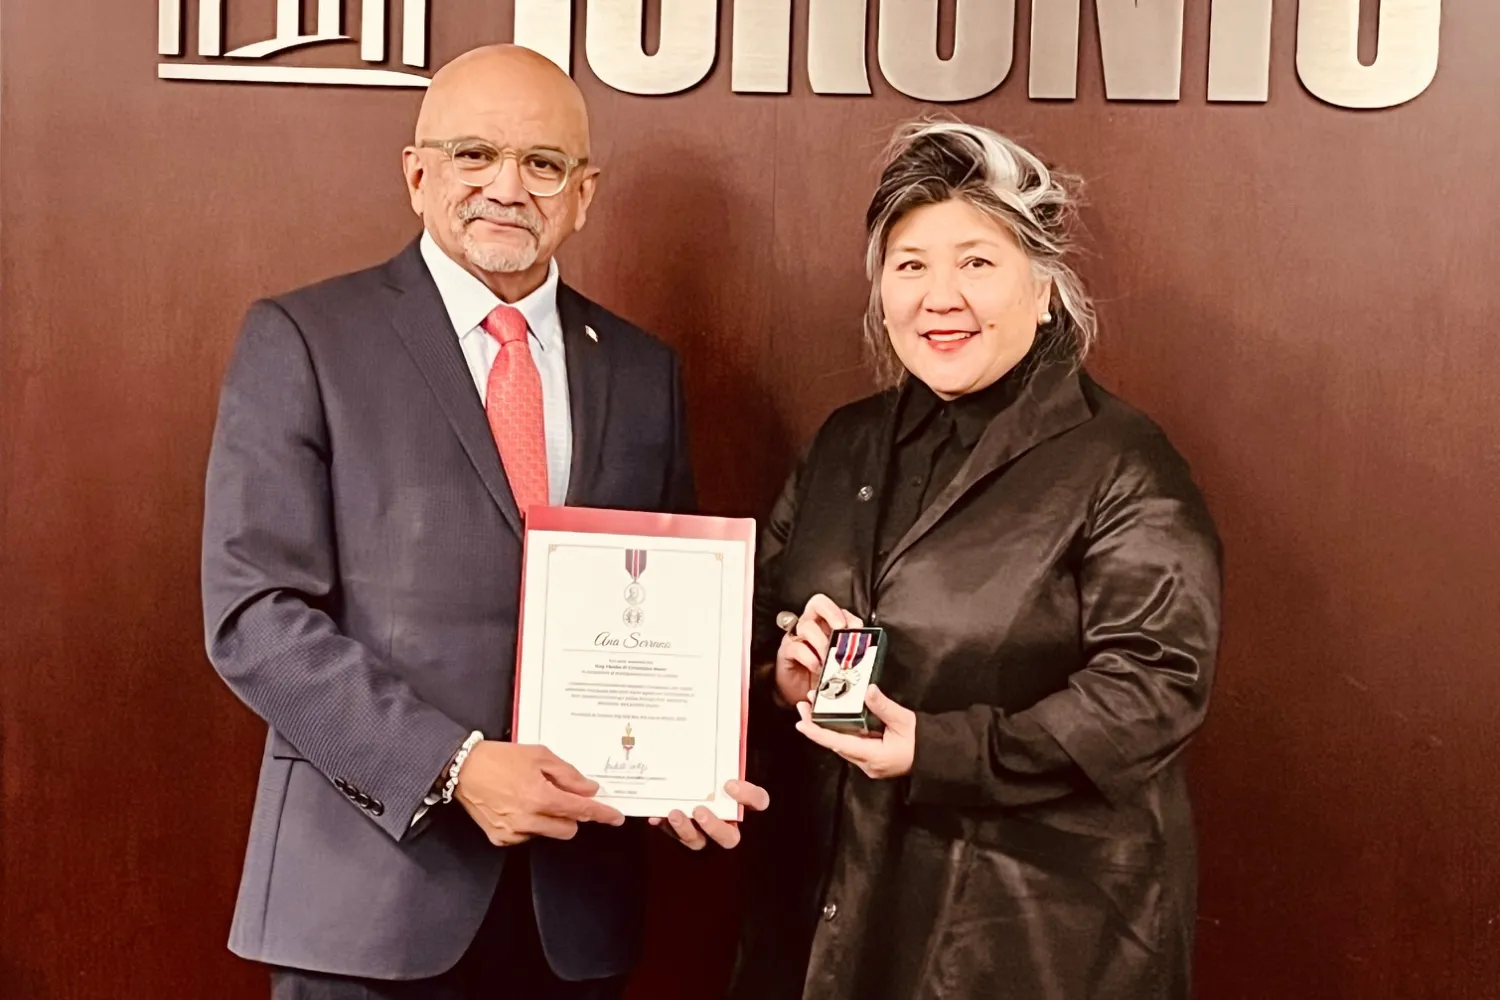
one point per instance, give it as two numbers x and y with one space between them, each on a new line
1048 579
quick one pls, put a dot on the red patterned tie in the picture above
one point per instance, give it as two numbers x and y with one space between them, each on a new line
513 403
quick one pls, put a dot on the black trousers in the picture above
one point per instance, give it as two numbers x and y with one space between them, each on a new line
505 962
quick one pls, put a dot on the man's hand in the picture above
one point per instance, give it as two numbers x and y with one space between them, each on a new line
708 826
517 792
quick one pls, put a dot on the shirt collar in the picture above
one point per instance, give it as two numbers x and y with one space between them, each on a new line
919 404
468 301
975 411
970 413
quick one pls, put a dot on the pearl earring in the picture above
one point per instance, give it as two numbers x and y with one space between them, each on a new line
1046 317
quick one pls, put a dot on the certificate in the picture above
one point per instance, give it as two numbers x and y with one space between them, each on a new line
634 659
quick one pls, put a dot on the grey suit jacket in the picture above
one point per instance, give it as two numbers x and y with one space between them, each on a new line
361 570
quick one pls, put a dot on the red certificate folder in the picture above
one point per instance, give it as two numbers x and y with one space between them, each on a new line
634 652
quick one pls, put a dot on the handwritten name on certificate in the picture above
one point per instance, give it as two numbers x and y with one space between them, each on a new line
634 653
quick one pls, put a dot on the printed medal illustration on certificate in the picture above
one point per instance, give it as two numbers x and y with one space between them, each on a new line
634 653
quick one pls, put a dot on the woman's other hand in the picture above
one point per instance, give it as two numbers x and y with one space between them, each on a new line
888 755
696 832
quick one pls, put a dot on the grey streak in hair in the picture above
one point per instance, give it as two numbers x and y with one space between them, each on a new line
928 162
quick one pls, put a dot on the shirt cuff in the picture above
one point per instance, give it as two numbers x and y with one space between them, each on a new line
428 801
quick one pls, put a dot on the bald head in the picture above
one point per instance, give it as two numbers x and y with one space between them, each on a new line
509 94
504 221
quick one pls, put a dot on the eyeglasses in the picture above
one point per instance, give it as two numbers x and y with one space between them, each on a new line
544 172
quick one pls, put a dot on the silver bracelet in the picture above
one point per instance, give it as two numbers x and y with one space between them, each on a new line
458 763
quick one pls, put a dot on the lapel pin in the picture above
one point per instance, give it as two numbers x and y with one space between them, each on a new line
865 494
591 334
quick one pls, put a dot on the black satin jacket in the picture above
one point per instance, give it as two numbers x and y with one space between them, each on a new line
1053 618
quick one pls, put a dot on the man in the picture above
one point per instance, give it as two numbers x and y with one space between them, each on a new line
379 439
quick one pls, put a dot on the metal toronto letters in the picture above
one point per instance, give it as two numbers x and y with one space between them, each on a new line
1140 42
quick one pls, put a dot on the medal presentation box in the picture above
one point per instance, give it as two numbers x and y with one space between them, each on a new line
856 657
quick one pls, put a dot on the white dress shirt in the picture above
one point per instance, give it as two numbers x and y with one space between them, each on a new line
468 302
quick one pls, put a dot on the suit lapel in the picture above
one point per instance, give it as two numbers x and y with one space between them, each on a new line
588 392
1051 404
423 325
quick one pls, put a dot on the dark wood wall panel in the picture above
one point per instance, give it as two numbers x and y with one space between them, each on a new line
1305 297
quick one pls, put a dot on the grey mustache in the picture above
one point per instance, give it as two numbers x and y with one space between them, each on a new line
470 211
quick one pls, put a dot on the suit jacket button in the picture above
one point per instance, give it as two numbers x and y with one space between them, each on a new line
341 785
376 807
875 618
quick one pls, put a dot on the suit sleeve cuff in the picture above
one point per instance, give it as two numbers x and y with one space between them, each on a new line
428 758
948 766
1096 755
